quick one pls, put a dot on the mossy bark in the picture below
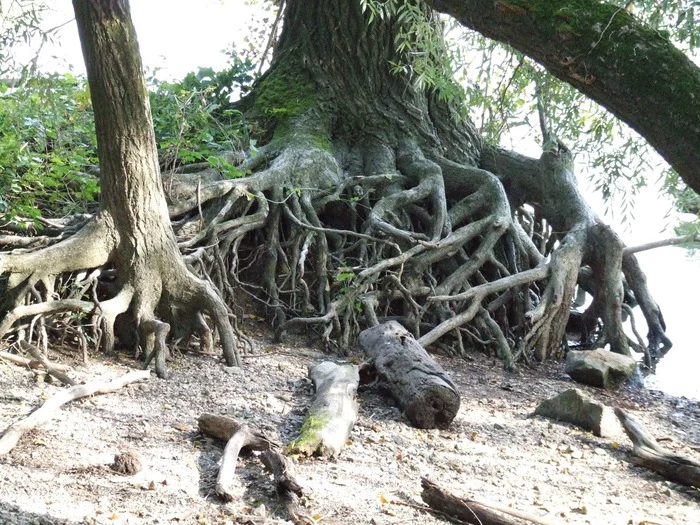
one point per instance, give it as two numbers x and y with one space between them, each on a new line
611 57
332 414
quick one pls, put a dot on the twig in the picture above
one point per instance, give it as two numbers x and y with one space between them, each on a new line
23 361
659 244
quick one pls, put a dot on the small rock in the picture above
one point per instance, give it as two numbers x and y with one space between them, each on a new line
233 370
127 463
573 406
599 367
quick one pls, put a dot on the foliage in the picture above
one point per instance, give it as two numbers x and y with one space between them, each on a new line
501 88
193 119
47 143
20 23
619 161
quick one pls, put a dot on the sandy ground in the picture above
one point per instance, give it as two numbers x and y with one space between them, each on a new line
493 451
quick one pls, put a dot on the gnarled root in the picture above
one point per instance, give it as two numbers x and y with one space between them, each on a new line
339 240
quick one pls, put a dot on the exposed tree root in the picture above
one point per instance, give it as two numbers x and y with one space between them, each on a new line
320 249
383 205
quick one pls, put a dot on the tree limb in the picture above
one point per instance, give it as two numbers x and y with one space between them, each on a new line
471 511
609 56
648 453
48 410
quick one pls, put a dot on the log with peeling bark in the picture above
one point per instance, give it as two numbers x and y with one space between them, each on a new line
238 436
470 511
648 453
49 409
423 390
333 412
286 485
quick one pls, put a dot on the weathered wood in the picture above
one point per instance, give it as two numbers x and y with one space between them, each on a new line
422 388
648 453
23 361
50 408
470 511
238 436
286 485
333 412
50 369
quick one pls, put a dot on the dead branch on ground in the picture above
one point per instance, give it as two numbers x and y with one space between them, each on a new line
648 453
470 511
238 436
49 409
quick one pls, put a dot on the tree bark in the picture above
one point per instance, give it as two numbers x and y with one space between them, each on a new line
421 387
609 56
152 276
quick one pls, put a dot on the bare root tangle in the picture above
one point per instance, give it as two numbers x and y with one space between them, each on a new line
322 243
355 211
434 245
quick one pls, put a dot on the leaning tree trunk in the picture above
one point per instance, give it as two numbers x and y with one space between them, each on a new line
132 231
609 56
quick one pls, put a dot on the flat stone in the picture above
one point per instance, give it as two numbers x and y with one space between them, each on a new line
575 407
599 368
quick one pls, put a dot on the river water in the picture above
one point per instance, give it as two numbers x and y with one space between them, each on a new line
673 276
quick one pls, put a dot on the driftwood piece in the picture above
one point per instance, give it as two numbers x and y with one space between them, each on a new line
48 410
421 387
333 412
470 511
238 436
286 486
50 368
31 363
648 453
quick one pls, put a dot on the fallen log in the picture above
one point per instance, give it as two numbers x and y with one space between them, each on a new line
421 387
648 453
333 412
286 486
470 511
238 436
49 409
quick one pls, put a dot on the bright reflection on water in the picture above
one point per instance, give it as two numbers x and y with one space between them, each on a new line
673 275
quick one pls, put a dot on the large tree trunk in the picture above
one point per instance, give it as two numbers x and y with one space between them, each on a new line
609 56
